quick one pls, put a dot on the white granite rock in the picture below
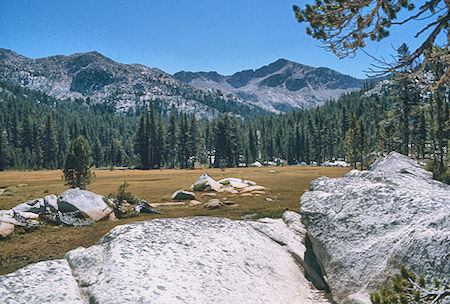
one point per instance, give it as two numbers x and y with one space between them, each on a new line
43 282
7 223
40 205
238 185
85 201
226 181
365 225
183 260
253 188
206 180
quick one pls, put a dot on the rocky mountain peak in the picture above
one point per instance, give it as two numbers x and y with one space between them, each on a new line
125 86
280 86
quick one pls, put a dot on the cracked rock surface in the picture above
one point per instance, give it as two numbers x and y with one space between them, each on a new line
183 260
365 225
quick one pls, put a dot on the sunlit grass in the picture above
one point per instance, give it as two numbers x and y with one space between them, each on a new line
285 188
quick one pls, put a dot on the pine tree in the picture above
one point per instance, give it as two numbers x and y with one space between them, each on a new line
160 143
77 171
142 144
422 134
193 143
27 135
352 142
37 150
49 144
172 136
151 133
97 153
2 151
15 134
209 143
74 129
62 139
362 145
407 98
407 288
440 136
252 145
183 135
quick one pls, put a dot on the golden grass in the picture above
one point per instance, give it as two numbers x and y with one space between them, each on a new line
286 186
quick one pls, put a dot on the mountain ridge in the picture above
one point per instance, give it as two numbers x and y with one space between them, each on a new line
280 84
278 87
127 87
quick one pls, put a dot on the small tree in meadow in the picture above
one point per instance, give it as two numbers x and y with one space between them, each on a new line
77 171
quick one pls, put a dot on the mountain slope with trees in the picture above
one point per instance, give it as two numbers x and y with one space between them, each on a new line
125 87
357 127
279 87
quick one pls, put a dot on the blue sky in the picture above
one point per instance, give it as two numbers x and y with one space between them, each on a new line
222 35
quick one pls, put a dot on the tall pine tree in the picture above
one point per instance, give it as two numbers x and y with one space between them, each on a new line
49 145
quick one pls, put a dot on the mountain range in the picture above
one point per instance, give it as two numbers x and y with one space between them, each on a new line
278 87
126 87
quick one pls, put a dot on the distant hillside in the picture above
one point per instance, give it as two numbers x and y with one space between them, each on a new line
98 79
280 86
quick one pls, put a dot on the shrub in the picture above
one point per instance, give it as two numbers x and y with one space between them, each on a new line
115 201
11 189
202 187
123 195
406 288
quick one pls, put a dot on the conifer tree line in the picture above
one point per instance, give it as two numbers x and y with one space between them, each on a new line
36 132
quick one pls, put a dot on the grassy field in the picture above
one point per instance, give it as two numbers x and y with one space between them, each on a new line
285 186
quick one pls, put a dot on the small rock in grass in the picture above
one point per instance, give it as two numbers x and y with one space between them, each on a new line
182 195
112 217
246 194
194 203
144 207
258 192
213 204
250 182
6 225
238 185
253 188
269 199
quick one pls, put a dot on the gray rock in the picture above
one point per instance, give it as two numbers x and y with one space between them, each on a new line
226 181
85 201
183 260
74 218
43 282
365 225
41 205
7 223
206 183
144 207
253 188
181 195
